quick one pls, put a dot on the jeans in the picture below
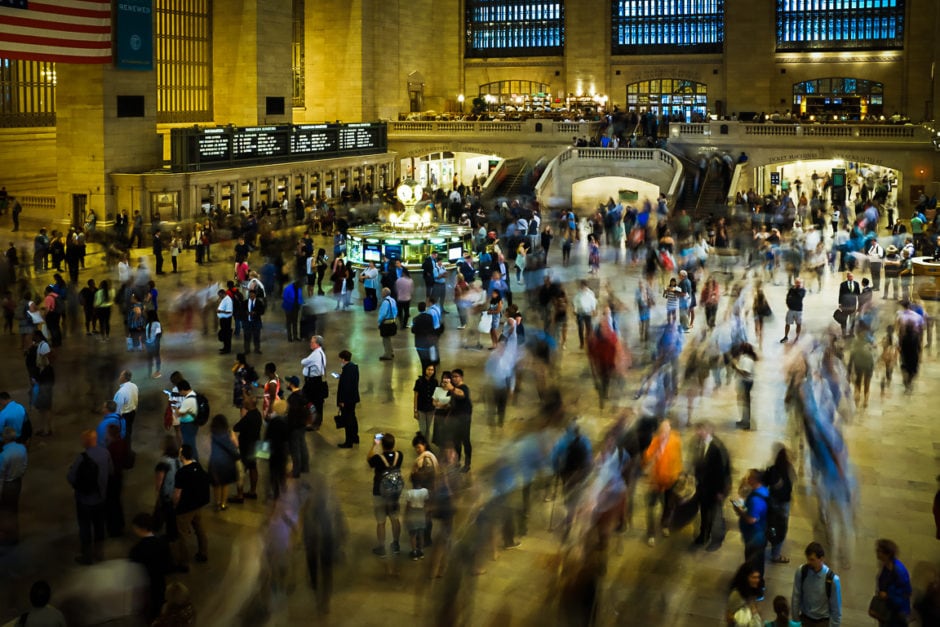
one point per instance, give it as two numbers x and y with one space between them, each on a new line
462 439
584 327
746 386
404 312
188 431
425 422
653 498
782 523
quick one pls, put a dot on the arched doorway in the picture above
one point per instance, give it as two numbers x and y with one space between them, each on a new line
840 97
669 96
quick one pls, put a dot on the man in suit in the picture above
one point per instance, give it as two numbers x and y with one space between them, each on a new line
347 395
158 251
713 480
849 291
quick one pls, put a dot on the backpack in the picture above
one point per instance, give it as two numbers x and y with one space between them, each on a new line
86 477
469 274
830 577
391 484
202 409
666 259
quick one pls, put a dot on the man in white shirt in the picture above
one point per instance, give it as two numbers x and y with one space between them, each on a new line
585 304
314 369
126 400
225 311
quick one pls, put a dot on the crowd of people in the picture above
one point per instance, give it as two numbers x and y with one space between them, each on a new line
507 299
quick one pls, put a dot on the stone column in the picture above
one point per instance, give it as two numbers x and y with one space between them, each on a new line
92 141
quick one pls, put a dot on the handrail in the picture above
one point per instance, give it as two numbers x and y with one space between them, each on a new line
615 154
739 171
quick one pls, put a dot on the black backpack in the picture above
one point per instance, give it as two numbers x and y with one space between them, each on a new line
392 483
576 457
202 409
86 477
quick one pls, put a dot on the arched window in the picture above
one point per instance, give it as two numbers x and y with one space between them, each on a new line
528 93
669 96
850 98
840 24
667 26
514 28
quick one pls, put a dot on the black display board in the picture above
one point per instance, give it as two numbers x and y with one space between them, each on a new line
196 148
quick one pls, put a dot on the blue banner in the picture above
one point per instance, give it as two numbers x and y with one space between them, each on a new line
133 34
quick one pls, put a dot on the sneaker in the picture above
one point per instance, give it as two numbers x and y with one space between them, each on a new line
379 550
784 340
396 549
420 554
413 555
665 533
462 326
651 541
514 545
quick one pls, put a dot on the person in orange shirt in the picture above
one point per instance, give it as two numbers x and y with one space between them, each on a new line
663 461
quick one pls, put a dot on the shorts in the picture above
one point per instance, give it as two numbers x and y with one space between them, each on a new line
383 508
415 521
494 324
794 317
311 279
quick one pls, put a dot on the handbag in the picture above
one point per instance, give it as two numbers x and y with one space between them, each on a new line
486 323
879 609
340 421
324 388
262 449
388 328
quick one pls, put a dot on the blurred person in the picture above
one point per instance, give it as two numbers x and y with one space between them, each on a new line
710 298
663 461
387 323
910 327
248 429
121 461
744 363
164 514
713 484
88 476
817 591
761 309
324 533
779 479
178 611
861 367
585 306
404 292
752 520
223 459
245 379
888 358
607 356
152 552
40 612
153 334
13 464
292 302
415 518
190 494
795 295
893 587
277 438
314 370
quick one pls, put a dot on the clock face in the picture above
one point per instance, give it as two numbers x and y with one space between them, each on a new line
404 193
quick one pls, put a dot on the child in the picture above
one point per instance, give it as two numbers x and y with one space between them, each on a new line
415 520
782 608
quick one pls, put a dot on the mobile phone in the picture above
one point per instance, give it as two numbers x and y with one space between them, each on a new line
378 436
335 375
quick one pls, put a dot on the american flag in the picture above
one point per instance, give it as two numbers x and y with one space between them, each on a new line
64 31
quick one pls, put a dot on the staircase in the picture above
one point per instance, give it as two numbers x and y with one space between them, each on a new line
513 183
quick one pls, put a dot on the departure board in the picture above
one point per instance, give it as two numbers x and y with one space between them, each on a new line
197 148
265 141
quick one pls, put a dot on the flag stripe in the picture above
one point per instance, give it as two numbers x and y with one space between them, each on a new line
55 41
42 53
71 27
70 31
67 10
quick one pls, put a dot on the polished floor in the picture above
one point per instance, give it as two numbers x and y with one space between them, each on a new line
894 446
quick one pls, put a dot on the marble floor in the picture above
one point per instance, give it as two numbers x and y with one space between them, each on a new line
894 446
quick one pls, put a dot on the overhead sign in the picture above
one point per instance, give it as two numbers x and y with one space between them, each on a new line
196 148
133 35
775 178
